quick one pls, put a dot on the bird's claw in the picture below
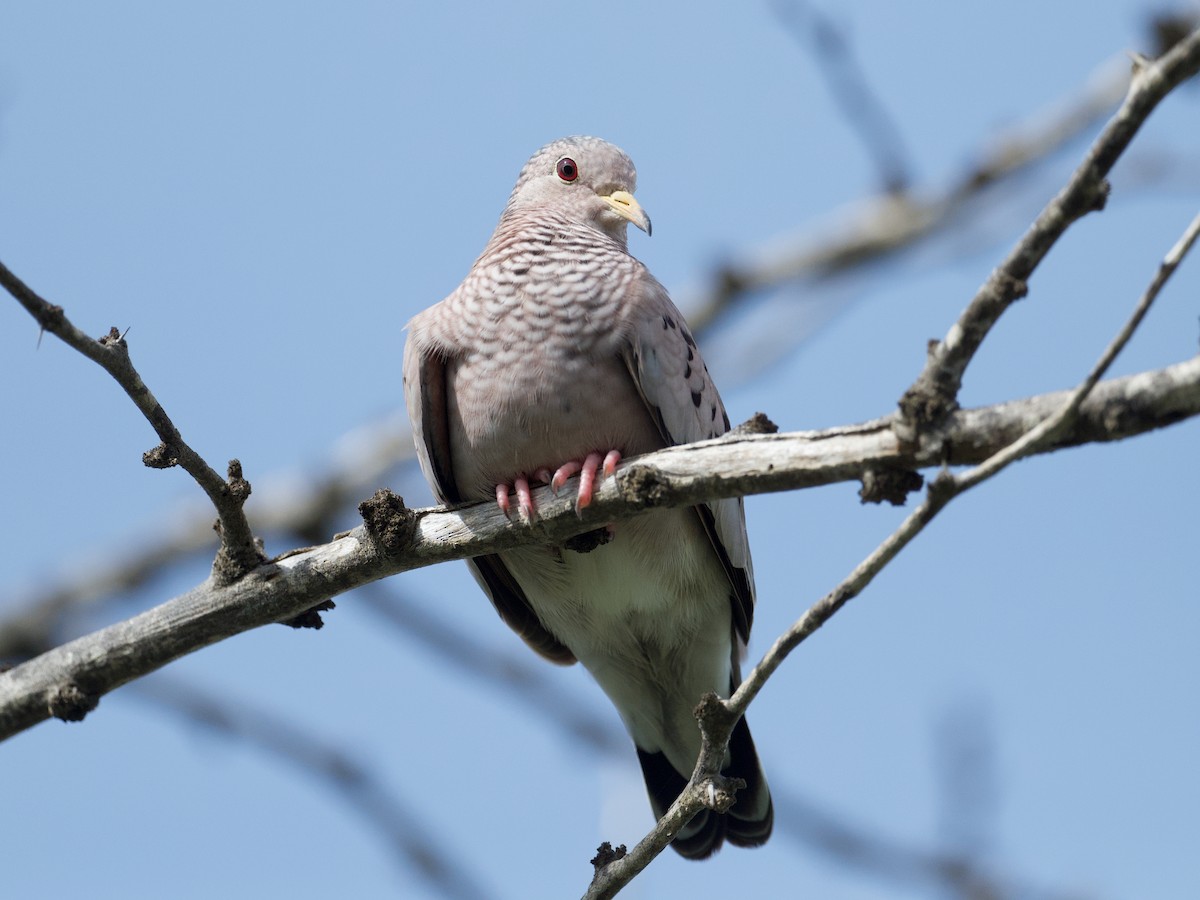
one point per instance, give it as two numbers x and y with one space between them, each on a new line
591 470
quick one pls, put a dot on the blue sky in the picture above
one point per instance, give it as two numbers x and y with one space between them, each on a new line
264 194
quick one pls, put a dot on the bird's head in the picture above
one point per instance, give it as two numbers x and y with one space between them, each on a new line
586 179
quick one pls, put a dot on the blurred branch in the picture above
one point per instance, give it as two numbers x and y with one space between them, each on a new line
299 504
935 391
811 827
889 222
708 788
967 779
68 681
238 551
407 831
863 110
519 677
899 864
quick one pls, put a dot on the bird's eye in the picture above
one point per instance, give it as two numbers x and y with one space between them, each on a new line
566 169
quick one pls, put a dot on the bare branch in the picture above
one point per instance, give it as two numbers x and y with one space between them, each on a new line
1048 430
707 788
899 864
290 504
238 552
68 681
935 391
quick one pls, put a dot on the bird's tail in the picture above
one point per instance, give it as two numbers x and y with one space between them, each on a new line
748 822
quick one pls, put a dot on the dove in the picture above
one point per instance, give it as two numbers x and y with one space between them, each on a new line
561 355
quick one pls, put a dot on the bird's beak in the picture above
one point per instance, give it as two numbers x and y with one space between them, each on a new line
628 208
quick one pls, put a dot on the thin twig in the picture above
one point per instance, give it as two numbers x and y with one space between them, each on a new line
1050 429
238 552
717 716
311 506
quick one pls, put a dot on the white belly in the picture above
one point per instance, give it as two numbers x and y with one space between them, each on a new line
648 615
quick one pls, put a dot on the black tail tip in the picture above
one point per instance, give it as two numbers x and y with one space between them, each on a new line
748 823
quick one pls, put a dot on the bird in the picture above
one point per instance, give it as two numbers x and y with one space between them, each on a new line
561 355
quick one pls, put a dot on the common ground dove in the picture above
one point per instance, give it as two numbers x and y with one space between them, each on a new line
560 354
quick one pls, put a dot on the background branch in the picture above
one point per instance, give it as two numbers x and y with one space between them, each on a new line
881 226
406 830
862 108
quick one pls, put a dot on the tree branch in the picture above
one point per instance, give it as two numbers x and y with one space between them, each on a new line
238 552
707 788
287 504
935 391
68 681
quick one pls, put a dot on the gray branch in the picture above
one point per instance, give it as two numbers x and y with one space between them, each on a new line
238 552
68 681
935 391
708 788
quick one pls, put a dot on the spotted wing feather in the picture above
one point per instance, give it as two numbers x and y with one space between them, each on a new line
674 383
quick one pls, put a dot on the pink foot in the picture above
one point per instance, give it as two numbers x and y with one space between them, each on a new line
588 469
526 508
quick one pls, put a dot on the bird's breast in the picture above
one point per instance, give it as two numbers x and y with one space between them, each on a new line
523 405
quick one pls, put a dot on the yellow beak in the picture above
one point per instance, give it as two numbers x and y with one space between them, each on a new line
628 208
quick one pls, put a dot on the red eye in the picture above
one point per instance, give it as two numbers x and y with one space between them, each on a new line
567 170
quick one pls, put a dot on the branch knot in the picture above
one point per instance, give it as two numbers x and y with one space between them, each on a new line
719 792
889 484
238 486
758 423
642 485
161 457
114 338
606 854
388 520
70 702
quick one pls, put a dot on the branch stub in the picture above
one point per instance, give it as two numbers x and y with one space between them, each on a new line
70 702
388 520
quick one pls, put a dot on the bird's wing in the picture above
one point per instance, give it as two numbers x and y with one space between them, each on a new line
674 383
425 394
